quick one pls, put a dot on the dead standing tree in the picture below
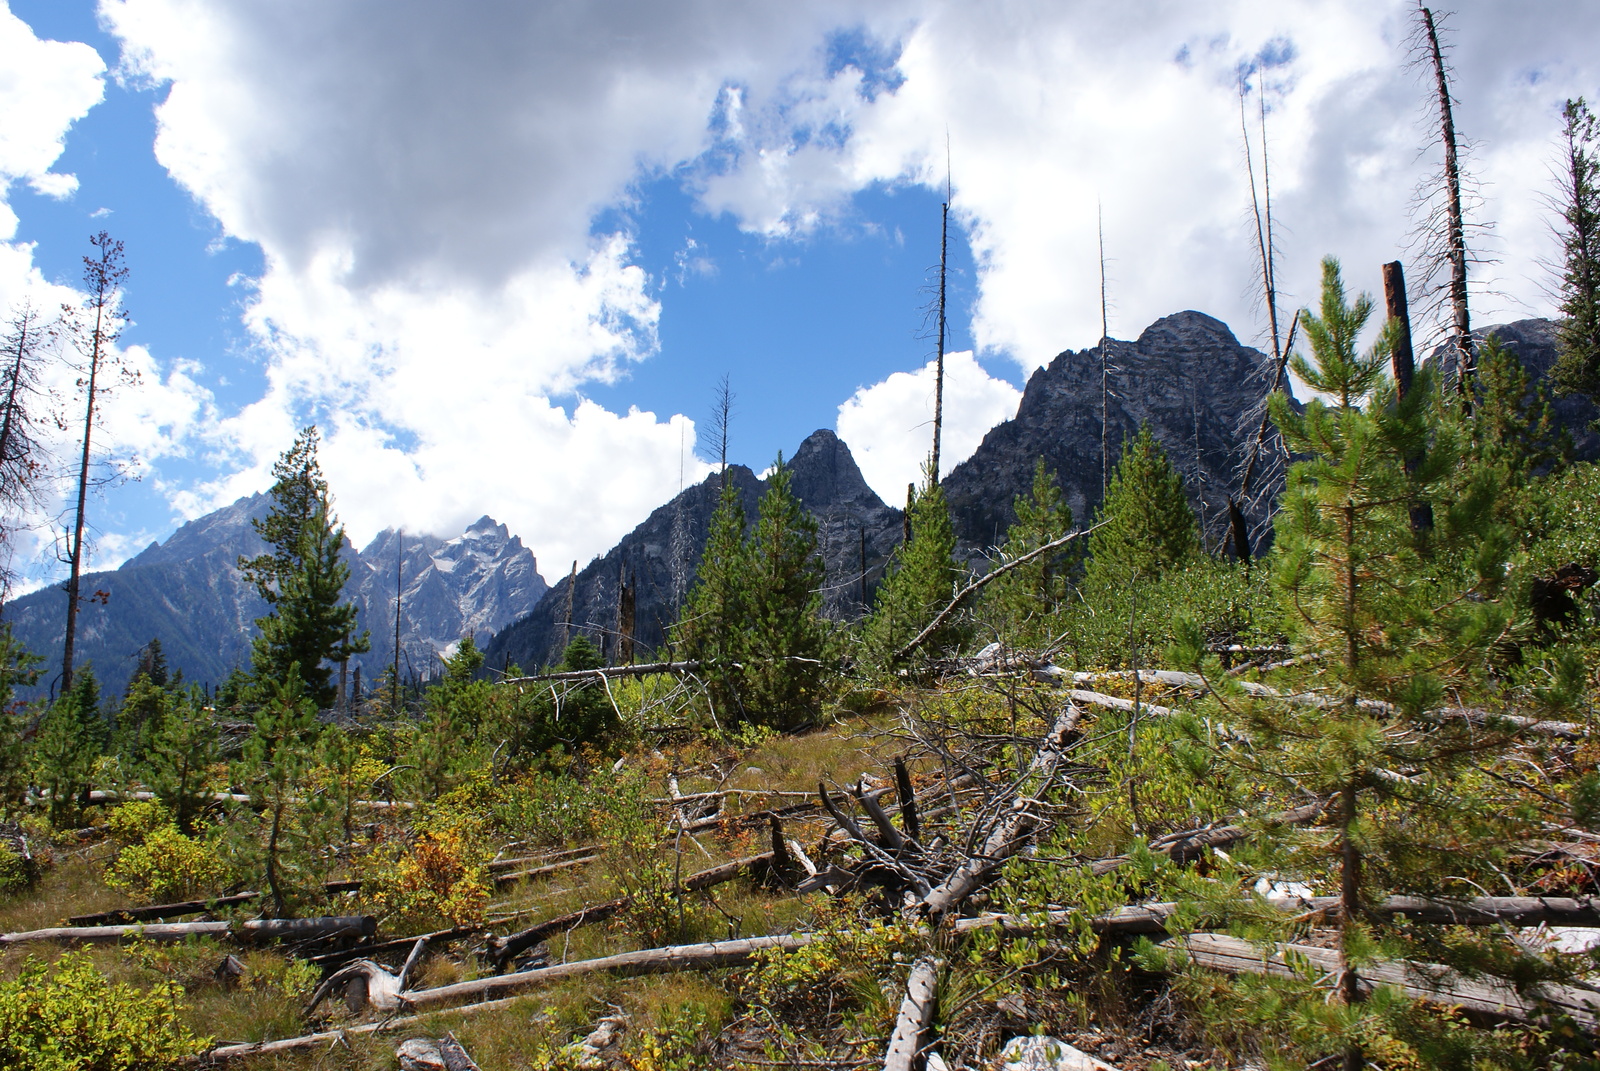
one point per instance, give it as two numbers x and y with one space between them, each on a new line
93 328
1441 205
21 397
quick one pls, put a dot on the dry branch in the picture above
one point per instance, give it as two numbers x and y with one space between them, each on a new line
1005 838
252 930
123 915
977 585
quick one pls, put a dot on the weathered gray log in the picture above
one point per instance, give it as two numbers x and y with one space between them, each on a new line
124 915
1112 702
724 871
1006 837
326 959
251 930
907 798
707 956
1419 981
1150 919
916 1012
640 669
1187 846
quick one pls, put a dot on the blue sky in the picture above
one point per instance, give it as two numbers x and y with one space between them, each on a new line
502 254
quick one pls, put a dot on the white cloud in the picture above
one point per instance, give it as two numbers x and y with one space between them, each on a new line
45 86
889 425
424 181
1052 108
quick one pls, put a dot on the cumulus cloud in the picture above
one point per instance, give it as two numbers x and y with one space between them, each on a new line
1053 110
889 425
423 182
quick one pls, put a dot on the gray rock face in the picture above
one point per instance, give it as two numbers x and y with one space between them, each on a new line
188 592
1200 389
472 585
1534 343
660 557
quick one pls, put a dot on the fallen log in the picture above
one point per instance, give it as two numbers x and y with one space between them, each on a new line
543 871
123 915
250 930
683 957
641 669
1418 981
502 950
330 959
1187 846
707 956
1151 919
455 1057
916 1012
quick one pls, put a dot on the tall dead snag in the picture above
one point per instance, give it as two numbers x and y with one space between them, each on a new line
1405 365
1445 239
1105 364
938 376
94 329
1261 211
626 597
20 398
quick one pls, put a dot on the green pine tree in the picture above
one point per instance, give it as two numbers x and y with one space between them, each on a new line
180 747
446 742
302 578
1392 623
71 738
784 643
1146 524
710 628
18 667
922 579
285 843
1024 600
1577 368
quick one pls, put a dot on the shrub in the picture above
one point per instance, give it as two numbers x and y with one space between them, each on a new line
159 862
70 1017
440 875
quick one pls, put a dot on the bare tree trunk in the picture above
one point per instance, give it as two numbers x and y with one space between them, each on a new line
1456 240
938 379
916 1014
1105 367
103 277
399 591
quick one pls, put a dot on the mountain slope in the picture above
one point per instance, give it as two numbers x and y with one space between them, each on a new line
659 558
188 593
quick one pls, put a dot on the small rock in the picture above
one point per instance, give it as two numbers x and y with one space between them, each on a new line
419 1054
1047 1054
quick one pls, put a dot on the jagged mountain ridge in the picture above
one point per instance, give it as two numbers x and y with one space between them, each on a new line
188 592
660 557
1200 389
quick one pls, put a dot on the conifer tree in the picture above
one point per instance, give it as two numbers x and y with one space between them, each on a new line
302 578
1025 598
284 844
18 667
714 614
454 706
785 638
1577 368
1396 621
922 578
1146 523
71 737
180 747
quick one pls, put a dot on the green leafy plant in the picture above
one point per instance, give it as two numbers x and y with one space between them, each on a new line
68 1016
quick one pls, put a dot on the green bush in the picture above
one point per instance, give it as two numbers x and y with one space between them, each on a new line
70 1017
159 862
